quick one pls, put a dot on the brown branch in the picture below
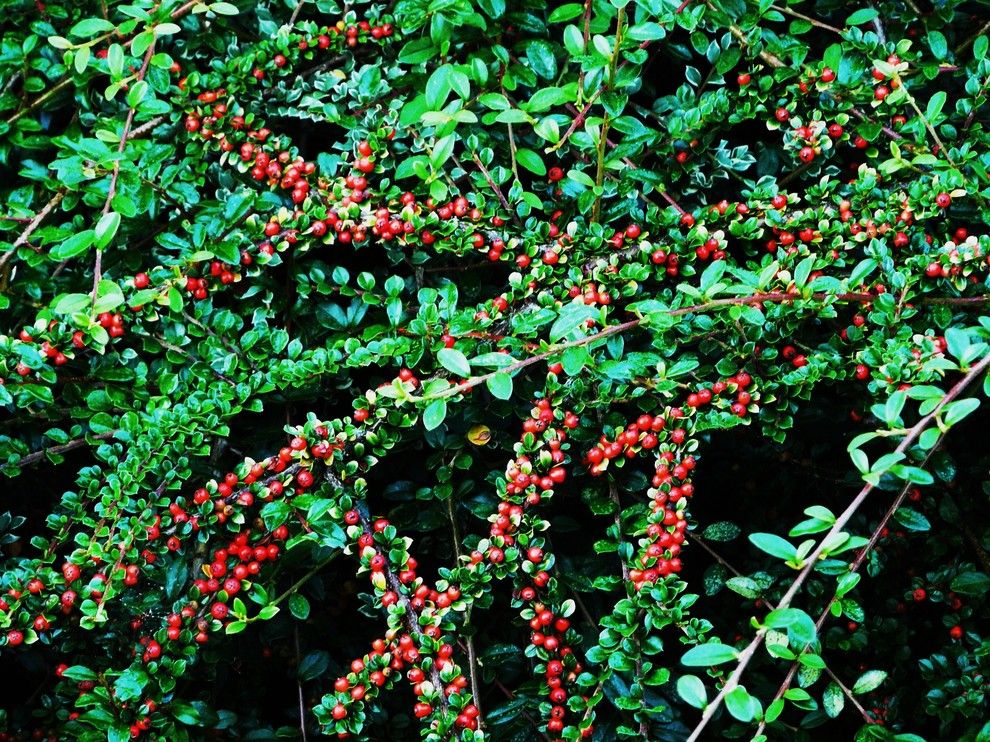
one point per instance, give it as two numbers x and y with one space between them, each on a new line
811 560
776 297
885 129
145 127
36 456
578 120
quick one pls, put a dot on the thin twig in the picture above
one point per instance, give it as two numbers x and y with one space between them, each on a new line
299 686
970 39
878 26
295 12
494 186
813 21
112 190
33 225
578 120
145 127
37 456
790 676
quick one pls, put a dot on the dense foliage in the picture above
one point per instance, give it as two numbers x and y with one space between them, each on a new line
494 370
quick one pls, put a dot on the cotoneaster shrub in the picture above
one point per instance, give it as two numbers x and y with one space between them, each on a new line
494 370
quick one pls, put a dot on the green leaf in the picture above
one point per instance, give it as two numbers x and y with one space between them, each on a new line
571 317
721 531
531 161
575 359
81 59
953 412
224 8
75 245
869 680
455 362
275 514
500 385
773 545
443 148
574 40
706 655
115 60
774 711
541 59
166 29
799 625
938 44
71 303
137 93
912 520
646 32
974 584
495 101
106 229
692 690
566 12
980 47
434 414
299 606
493 360
313 665
438 87
90 27
741 705
108 296
864 15
833 700
935 104
744 586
